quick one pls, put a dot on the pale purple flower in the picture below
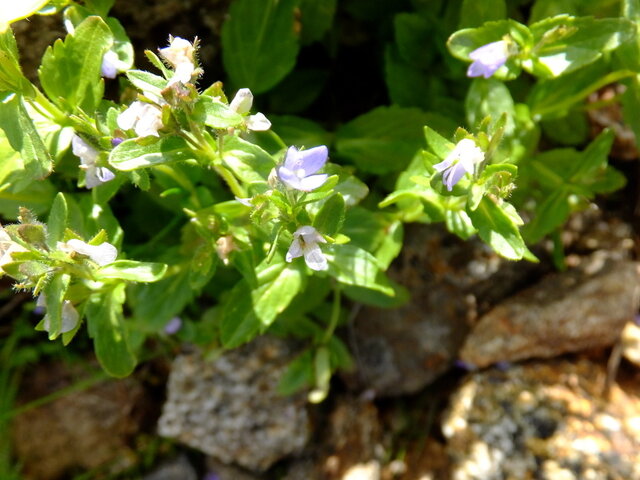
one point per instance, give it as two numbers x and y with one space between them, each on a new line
109 67
7 247
300 165
94 175
488 59
173 326
305 243
462 159
241 104
102 254
144 118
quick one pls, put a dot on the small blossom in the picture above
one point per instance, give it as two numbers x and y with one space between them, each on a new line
462 159
144 118
299 167
488 59
179 54
102 254
173 326
94 175
241 104
305 242
224 246
69 315
110 64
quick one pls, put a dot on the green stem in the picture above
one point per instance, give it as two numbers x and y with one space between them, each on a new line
335 315
46 108
277 138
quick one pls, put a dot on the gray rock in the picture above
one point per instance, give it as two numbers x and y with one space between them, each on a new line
229 407
581 308
177 469
546 421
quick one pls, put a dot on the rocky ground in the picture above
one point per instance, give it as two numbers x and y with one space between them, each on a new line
494 370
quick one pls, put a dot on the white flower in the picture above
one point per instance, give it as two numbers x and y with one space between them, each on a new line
102 254
299 167
241 104
179 54
69 315
305 242
144 118
94 175
462 159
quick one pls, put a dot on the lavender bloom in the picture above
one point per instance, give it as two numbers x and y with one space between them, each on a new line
94 175
488 59
109 67
173 326
299 167
305 242
462 159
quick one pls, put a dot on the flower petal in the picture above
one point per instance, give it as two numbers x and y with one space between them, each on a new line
295 250
242 102
289 178
85 152
109 67
102 254
313 159
258 123
312 182
314 258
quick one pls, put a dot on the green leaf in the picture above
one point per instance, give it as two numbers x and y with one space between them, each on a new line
247 312
565 44
383 140
474 13
54 292
11 76
316 17
259 43
489 98
24 138
57 221
438 144
299 131
351 265
458 222
247 161
299 374
549 215
70 70
498 230
216 114
133 271
330 218
412 33
147 82
109 332
131 154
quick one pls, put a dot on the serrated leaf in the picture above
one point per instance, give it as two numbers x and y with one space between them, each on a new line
70 70
259 43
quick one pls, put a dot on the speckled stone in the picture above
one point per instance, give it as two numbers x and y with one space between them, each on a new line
545 421
229 408
582 308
